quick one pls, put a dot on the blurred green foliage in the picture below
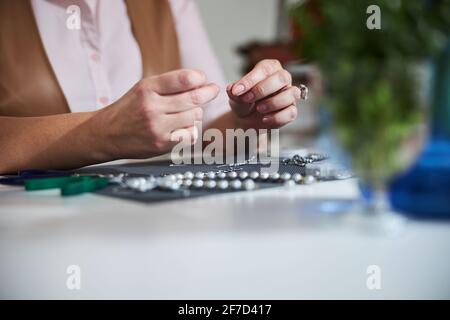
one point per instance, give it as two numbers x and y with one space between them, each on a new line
372 88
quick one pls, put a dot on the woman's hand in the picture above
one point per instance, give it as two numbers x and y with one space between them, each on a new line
265 97
145 120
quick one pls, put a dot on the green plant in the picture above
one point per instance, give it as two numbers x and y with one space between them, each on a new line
371 85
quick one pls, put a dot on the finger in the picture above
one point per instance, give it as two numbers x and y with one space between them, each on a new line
278 119
261 71
176 81
187 135
279 80
184 119
190 99
240 108
285 98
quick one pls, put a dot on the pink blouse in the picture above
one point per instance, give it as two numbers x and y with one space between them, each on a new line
97 63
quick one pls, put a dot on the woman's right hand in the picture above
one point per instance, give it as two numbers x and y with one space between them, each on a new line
144 122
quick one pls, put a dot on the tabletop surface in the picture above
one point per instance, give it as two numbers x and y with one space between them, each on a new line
301 242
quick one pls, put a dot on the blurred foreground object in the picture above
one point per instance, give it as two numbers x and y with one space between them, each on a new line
372 87
424 191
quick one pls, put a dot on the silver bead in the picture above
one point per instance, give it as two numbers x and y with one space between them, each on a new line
188 175
221 175
309 179
264 176
297 177
199 175
197 183
249 184
254 175
274 176
178 176
211 175
222 184
232 174
285 176
243 175
210 184
235 184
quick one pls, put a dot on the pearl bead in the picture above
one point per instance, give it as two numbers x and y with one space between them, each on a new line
188 175
309 179
197 183
211 175
222 184
243 175
254 175
264 176
199 175
249 184
297 177
235 184
210 184
232 174
221 175
285 176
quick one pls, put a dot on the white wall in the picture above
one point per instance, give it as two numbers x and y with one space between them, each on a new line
231 23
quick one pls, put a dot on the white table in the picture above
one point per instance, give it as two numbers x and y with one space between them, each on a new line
268 244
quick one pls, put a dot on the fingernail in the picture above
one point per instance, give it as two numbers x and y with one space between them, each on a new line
248 97
237 90
261 108
265 119
229 86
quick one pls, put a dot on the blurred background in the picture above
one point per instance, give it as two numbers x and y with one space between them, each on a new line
378 76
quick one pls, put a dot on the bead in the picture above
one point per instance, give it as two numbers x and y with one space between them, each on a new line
285 176
254 175
309 179
249 184
197 183
199 175
243 175
297 177
274 176
188 175
210 184
264 176
211 175
221 175
187 183
178 176
232 174
235 184
222 184
289 183
167 182
316 173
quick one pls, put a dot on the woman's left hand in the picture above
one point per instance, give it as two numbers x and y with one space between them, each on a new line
265 97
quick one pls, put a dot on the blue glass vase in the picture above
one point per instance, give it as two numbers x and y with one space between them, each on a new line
424 190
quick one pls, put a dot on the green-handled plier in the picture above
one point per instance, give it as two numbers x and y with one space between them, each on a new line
71 185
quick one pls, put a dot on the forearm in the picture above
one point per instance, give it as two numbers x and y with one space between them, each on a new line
52 142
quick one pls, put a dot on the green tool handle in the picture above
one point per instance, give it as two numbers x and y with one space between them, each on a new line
84 185
68 185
